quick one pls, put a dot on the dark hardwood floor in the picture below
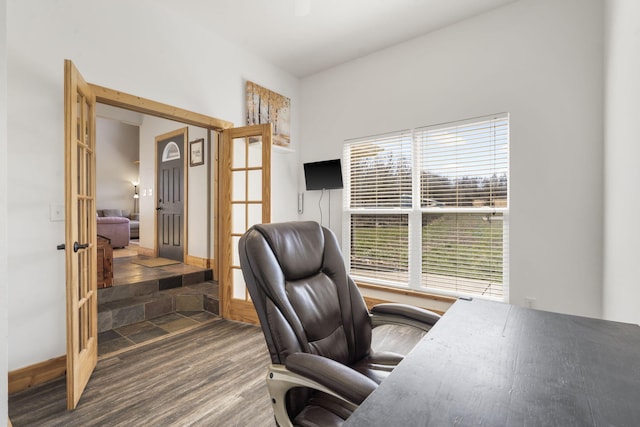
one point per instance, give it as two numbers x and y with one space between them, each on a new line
213 375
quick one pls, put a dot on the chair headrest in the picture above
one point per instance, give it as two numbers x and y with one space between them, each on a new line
298 246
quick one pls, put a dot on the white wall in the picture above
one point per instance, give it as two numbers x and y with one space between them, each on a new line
117 148
540 61
621 294
3 212
135 47
197 198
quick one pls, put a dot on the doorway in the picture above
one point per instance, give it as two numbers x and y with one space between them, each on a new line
136 184
80 100
80 212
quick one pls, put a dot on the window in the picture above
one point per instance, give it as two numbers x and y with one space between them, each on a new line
428 208
171 152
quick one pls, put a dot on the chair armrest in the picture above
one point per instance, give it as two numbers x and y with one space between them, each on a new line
134 217
280 380
343 380
403 314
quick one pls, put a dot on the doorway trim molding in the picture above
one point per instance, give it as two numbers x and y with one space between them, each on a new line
138 104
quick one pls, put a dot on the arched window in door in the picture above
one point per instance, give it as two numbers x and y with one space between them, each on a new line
171 152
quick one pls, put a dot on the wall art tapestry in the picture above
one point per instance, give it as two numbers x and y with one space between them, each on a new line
265 106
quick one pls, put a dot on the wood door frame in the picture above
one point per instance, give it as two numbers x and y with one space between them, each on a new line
138 104
142 105
185 189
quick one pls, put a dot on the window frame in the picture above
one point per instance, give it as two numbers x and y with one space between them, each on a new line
416 211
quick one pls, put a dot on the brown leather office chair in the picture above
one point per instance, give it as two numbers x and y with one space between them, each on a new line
316 324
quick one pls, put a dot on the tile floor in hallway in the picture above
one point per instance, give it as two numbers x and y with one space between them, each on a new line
126 273
137 333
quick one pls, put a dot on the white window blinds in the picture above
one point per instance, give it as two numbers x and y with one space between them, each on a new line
428 208
380 247
463 181
379 182
380 170
464 165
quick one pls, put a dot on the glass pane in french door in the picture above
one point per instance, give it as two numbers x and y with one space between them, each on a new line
246 200
85 209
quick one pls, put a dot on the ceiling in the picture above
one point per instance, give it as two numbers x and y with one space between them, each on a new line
333 32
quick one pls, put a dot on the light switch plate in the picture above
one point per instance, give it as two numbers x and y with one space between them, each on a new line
56 212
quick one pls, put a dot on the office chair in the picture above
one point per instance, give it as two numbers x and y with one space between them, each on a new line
315 322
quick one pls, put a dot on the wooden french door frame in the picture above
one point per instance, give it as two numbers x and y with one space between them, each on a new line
80 232
185 189
234 307
81 356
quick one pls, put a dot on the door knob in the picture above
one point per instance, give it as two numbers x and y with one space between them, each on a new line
77 246
159 208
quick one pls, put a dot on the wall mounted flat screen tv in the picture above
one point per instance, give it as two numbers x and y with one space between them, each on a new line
325 175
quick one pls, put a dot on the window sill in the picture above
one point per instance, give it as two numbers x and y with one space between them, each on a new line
376 294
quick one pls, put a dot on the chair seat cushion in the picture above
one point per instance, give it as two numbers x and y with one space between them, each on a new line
322 410
377 366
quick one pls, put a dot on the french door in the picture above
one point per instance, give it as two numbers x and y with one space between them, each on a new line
245 200
80 233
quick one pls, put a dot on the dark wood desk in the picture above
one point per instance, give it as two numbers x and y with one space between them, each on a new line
492 364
